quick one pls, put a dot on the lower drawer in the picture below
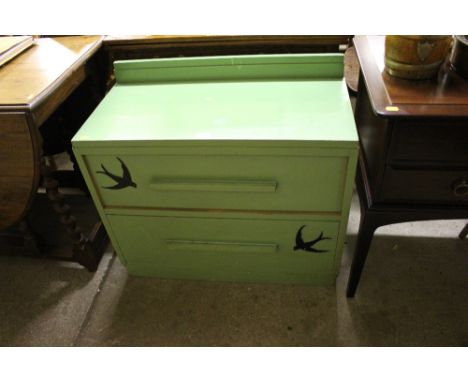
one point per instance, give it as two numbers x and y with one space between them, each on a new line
425 186
228 249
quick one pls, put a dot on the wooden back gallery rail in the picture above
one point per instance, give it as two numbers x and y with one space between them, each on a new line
138 47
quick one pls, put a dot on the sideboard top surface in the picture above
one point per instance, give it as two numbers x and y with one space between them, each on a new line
446 94
288 107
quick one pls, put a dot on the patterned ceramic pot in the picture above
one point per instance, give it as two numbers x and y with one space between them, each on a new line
415 57
459 56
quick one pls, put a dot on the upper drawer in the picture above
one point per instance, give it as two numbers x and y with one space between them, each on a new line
236 182
442 142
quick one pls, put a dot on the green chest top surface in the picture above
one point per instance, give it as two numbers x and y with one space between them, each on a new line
300 99
226 168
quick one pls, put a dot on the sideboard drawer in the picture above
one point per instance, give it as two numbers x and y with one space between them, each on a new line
248 182
425 186
441 142
248 249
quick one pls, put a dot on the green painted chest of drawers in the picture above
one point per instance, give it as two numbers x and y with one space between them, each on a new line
226 168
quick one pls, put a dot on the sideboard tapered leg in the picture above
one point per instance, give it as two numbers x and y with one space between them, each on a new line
367 228
464 232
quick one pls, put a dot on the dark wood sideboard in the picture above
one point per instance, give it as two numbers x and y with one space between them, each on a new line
413 162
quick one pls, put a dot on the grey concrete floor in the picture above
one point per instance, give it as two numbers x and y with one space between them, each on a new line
413 292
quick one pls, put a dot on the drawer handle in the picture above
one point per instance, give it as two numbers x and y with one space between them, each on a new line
214 185
308 246
181 245
460 187
121 181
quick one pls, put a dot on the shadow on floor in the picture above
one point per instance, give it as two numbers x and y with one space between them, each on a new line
42 301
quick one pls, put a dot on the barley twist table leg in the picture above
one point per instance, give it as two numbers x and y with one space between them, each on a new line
32 242
82 250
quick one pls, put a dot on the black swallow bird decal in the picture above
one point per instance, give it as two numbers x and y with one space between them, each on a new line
308 246
122 181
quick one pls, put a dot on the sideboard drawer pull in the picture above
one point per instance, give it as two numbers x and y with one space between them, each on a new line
221 246
213 185
460 187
